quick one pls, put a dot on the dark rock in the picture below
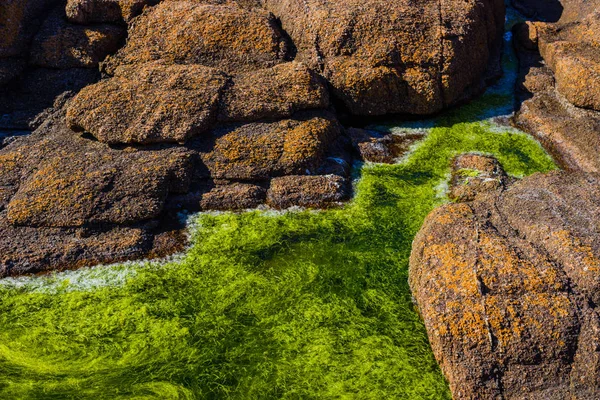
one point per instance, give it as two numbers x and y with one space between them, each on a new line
540 10
36 90
101 11
316 191
508 286
19 21
375 147
10 69
62 45
66 180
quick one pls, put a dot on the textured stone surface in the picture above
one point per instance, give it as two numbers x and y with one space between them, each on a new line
262 150
149 103
19 21
307 191
55 182
396 56
99 11
273 93
560 85
508 285
227 37
59 44
173 103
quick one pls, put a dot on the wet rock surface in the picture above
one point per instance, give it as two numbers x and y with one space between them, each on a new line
507 285
141 109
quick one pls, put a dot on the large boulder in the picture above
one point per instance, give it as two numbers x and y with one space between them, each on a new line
149 103
227 37
396 56
508 286
174 103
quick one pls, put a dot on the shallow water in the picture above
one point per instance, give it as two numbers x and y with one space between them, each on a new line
264 304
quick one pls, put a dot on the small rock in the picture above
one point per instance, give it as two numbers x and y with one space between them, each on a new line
316 191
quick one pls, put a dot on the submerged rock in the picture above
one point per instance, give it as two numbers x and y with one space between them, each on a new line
307 191
507 285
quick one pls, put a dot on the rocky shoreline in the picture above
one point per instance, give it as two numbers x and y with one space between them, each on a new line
142 109
206 105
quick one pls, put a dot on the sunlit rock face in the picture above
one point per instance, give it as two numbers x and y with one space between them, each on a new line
386 57
507 284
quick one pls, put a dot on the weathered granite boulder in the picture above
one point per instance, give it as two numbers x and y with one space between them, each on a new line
560 85
102 11
227 37
149 103
396 56
508 286
157 102
61 45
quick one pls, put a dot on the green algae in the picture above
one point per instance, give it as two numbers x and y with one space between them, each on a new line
264 305
297 305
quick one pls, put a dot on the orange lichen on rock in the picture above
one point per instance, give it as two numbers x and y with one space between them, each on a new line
227 37
504 284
